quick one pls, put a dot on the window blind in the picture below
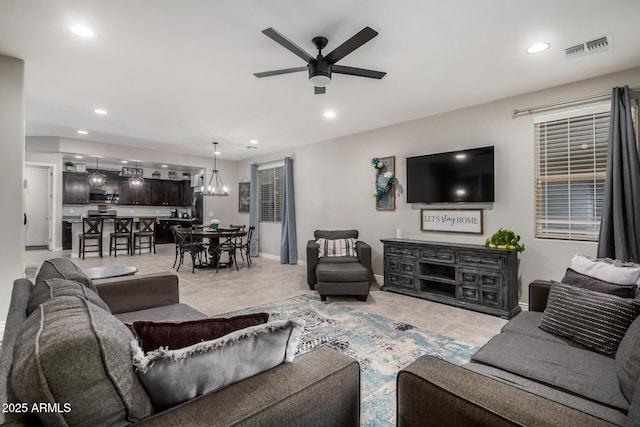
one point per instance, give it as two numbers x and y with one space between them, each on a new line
571 162
271 191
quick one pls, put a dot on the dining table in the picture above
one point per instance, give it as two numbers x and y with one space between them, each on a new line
214 236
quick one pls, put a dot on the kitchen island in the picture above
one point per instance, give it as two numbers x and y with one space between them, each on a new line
76 230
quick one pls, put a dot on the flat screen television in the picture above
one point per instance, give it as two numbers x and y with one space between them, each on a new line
452 177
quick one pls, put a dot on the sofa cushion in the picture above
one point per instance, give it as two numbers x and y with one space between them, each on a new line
51 288
175 335
628 360
72 352
619 273
336 247
63 268
580 280
175 376
585 373
172 312
526 323
342 272
596 320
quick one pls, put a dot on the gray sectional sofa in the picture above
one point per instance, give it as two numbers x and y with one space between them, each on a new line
525 376
287 395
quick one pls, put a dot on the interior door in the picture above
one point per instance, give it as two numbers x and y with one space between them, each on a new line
38 208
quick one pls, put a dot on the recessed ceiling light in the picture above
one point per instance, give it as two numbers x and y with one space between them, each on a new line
538 47
82 30
254 141
78 157
330 114
82 132
217 153
100 111
124 161
164 166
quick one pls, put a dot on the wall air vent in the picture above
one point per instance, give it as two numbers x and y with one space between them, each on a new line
251 147
590 47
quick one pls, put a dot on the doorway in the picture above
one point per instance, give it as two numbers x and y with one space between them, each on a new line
38 199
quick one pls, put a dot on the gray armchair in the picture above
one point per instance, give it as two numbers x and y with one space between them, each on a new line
339 275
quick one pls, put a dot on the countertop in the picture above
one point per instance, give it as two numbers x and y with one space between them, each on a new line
78 219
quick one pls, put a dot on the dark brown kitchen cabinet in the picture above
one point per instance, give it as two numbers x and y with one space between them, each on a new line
134 196
166 193
75 188
67 235
187 193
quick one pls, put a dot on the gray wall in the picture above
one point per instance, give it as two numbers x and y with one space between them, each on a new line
334 179
11 173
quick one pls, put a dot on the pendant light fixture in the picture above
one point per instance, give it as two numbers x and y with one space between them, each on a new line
97 179
136 181
215 187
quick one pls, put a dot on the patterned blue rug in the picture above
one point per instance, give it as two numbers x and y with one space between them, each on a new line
382 347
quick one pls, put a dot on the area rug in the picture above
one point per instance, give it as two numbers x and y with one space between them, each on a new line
381 345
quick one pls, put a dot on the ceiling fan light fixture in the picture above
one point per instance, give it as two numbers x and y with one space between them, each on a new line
319 73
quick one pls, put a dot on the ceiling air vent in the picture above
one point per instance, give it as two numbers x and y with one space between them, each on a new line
590 47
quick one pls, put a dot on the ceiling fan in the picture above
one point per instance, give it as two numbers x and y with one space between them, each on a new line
321 67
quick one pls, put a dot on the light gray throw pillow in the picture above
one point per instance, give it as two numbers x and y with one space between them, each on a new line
174 376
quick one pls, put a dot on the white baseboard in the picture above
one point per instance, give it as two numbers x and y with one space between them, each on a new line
524 306
269 256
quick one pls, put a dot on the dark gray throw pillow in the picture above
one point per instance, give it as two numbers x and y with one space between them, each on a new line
52 288
63 268
70 352
580 280
593 319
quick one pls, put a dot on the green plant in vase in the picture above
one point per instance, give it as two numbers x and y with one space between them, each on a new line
505 239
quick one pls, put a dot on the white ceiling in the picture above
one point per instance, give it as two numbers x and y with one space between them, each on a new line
176 75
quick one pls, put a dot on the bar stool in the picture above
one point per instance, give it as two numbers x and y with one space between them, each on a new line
122 229
91 231
145 237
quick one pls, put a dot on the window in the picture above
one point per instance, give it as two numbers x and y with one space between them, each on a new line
271 192
571 163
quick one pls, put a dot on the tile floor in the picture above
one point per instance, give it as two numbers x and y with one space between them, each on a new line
268 281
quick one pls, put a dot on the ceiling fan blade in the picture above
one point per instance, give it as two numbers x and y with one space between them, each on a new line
287 44
366 34
277 72
361 72
319 90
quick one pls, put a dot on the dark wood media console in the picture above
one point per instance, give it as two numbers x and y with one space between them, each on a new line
469 276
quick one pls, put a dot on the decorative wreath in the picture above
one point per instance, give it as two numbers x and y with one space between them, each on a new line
389 179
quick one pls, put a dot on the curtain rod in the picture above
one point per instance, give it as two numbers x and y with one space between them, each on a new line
555 105
273 162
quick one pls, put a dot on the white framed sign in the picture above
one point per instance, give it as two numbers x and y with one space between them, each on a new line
451 220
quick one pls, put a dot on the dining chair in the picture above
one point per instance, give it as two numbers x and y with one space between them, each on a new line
227 246
186 244
175 242
145 237
245 249
239 242
91 231
122 229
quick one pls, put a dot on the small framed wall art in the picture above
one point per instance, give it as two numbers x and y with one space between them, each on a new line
243 196
468 221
